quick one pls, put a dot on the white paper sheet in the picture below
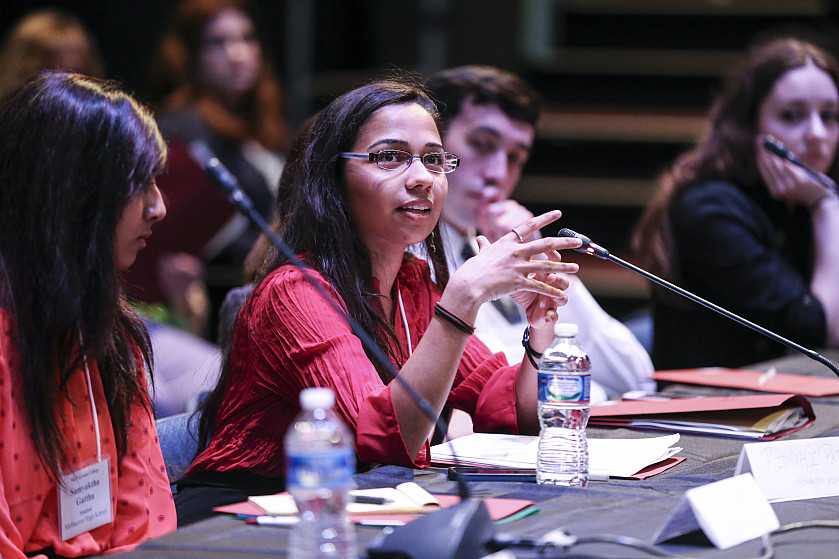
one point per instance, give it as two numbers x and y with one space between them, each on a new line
613 457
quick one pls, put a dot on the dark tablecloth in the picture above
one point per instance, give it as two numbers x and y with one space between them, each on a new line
617 507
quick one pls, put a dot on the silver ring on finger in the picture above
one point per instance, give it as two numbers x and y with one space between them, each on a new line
521 240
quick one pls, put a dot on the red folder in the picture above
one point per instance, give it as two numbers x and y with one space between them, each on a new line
738 378
708 415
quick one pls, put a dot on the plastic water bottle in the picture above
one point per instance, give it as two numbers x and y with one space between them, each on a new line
564 405
320 462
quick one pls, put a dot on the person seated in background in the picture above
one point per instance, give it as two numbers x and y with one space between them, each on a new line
744 228
370 182
489 117
78 159
186 365
47 39
211 82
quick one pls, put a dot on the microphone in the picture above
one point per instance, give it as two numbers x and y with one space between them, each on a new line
588 247
221 177
227 182
462 531
774 145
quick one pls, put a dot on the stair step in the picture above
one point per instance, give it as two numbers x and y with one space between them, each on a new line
607 279
619 124
696 7
639 61
584 191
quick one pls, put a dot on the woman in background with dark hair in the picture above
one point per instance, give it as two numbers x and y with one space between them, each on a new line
211 81
78 159
742 227
370 181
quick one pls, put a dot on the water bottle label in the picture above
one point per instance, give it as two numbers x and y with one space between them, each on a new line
558 388
325 469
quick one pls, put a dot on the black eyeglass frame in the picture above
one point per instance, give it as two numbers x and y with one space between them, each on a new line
453 160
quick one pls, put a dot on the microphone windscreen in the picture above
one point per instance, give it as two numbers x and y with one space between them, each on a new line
587 247
565 232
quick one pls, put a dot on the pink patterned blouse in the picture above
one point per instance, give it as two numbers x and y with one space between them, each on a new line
141 498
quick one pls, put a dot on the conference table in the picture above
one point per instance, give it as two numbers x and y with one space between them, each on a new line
618 507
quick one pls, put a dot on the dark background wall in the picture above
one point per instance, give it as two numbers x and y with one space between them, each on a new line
126 30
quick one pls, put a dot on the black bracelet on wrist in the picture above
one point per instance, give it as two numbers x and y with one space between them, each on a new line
532 354
454 320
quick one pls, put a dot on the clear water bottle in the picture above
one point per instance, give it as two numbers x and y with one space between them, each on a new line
320 463
564 405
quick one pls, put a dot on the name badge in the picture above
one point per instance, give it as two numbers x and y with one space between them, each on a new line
85 500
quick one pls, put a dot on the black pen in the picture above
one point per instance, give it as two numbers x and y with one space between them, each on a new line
368 500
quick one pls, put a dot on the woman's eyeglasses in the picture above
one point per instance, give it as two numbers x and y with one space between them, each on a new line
392 159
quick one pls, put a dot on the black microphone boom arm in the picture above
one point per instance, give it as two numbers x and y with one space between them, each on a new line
594 249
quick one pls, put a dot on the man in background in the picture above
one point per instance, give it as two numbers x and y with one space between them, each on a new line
489 118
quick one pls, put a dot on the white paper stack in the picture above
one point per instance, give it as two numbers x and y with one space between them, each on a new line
608 457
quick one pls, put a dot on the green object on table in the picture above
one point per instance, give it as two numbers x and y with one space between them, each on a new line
525 512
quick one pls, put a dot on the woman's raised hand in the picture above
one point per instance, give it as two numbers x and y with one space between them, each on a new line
508 266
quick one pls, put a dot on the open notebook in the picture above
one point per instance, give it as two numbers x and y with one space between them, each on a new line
409 501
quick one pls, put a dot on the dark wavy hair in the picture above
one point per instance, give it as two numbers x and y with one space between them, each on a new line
314 212
484 85
315 220
727 151
73 151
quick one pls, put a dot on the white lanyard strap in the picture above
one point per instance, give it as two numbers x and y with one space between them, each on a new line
404 320
93 409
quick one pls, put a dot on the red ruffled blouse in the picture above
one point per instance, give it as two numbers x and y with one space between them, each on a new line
288 338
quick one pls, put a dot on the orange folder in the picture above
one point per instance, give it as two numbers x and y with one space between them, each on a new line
756 417
737 378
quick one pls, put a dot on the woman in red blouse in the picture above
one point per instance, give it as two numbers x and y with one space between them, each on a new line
81 472
370 182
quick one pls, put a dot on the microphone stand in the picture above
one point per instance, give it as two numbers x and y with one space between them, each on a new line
594 249
462 531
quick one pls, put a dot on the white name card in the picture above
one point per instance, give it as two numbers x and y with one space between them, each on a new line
729 512
793 470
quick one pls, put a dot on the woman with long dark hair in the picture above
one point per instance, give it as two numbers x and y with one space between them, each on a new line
370 181
78 158
212 81
746 229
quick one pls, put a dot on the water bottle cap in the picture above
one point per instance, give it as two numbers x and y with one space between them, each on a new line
565 329
314 398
